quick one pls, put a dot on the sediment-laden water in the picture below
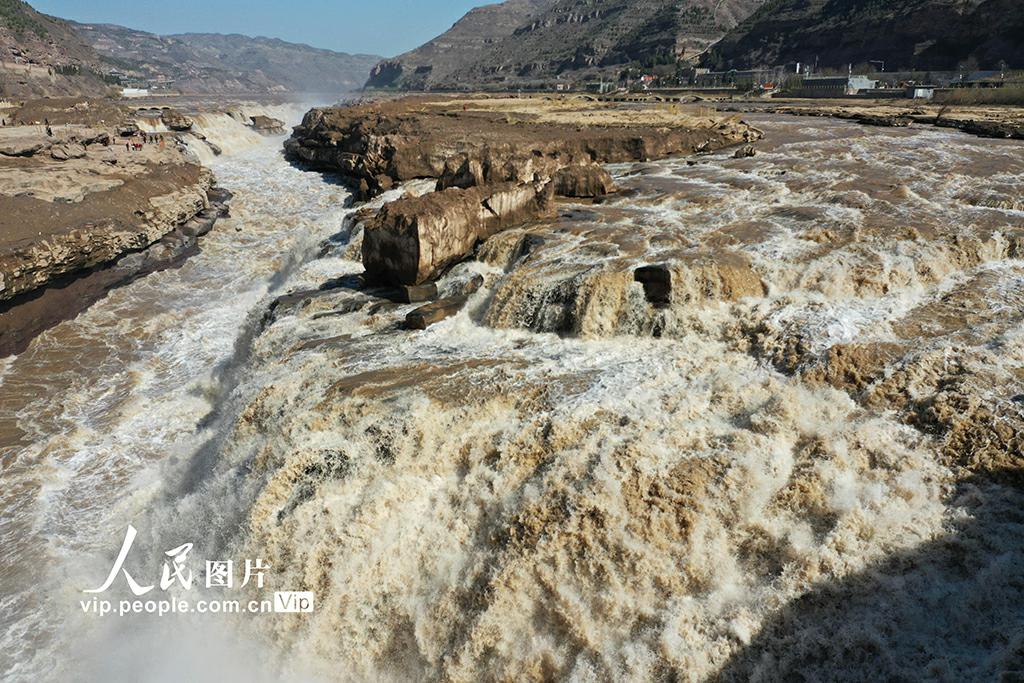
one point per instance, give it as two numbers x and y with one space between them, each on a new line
795 468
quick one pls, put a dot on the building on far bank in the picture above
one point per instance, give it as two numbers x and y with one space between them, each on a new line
832 86
740 80
600 87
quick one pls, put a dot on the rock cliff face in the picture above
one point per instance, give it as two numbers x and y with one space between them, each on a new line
906 34
523 42
32 263
43 56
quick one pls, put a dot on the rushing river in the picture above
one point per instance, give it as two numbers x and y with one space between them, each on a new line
95 411
558 482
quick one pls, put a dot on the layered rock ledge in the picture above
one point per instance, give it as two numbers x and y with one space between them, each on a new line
497 162
85 199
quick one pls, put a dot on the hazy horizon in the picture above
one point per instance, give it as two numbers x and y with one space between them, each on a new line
387 27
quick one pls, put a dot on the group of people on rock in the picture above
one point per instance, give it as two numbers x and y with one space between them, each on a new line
147 138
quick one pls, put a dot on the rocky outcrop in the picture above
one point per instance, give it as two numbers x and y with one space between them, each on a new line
497 163
584 181
266 125
175 120
467 144
25 147
1009 130
745 152
413 240
433 313
31 264
25 316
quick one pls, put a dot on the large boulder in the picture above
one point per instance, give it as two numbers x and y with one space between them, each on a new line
414 239
425 316
175 120
588 181
265 125
67 150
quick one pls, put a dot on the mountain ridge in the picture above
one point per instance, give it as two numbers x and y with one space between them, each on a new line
536 40
203 63
905 35
42 55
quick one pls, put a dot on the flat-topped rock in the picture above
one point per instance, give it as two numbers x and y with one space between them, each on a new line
412 240
475 141
175 120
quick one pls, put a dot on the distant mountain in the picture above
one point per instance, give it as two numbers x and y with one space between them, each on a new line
905 34
212 63
42 55
525 41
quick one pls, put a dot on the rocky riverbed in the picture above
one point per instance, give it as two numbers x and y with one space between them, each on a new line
498 163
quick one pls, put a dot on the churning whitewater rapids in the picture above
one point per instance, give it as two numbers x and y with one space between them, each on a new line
558 483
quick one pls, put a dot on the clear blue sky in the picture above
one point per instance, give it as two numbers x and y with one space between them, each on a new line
384 27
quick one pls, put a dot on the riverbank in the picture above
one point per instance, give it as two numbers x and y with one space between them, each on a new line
93 194
991 121
98 412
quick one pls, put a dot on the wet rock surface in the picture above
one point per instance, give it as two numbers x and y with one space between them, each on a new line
413 240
